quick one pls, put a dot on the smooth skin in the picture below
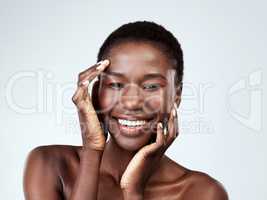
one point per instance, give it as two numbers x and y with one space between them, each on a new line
124 167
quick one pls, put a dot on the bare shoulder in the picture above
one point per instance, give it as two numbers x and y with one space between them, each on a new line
44 167
202 186
190 184
52 155
54 151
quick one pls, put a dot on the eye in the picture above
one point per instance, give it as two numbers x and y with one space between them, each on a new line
116 85
151 86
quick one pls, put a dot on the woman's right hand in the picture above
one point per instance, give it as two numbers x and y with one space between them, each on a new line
92 132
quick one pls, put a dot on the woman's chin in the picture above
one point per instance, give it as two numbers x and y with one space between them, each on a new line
128 138
131 144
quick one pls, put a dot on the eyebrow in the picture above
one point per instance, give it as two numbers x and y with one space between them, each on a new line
146 76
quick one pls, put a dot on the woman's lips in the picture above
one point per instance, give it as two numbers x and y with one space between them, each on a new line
134 131
131 131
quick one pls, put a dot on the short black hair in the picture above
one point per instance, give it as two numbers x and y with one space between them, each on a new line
146 31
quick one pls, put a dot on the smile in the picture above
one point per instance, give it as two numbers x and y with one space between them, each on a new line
133 126
131 123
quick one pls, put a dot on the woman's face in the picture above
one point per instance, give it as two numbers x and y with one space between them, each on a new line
135 92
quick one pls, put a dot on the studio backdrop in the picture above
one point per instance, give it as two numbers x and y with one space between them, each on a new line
45 44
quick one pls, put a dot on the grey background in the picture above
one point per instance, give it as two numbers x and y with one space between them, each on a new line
45 44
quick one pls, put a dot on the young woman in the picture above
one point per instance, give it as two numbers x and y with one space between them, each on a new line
134 100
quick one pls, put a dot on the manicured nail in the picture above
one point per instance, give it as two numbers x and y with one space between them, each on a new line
102 64
165 132
85 83
100 67
105 62
165 125
160 125
99 63
175 106
174 112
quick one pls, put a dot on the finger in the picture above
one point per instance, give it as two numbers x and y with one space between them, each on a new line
92 68
171 125
88 75
84 80
175 120
158 144
80 94
160 140
177 124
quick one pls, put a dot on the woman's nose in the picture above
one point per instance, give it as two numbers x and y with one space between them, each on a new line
132 97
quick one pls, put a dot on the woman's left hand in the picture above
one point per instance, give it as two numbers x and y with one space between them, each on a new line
145 161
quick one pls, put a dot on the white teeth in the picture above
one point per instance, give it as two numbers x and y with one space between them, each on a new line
131 123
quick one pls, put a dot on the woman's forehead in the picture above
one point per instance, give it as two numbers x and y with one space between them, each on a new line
139 72
134 55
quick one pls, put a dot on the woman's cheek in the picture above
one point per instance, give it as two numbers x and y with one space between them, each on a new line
154 103
107 100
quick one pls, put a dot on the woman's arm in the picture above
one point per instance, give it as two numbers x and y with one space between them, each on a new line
86 184
41 181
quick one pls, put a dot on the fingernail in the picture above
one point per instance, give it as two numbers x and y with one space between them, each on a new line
165 132
85 83
105 62
174 112
175 106
102 64
100 67
160 125
99 63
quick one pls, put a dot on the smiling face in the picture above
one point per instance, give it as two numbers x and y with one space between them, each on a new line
135 92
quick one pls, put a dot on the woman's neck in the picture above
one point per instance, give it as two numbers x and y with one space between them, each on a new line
115 160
